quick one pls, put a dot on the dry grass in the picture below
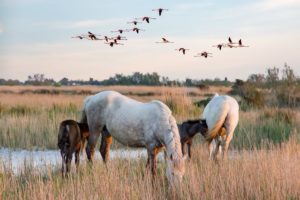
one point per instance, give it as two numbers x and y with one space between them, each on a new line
258 174
269 170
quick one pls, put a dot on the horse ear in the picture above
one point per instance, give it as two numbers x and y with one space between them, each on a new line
202 121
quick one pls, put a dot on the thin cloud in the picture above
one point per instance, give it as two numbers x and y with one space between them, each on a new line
276 4
95 23
1 28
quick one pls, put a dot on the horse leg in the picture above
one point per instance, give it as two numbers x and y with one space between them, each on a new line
105 145
189 145
90 147
217 149
151 163
210 149
225 144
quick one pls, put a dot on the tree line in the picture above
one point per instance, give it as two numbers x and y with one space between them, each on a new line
271 78
137 78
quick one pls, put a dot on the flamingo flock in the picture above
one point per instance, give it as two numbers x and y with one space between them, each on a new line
115 40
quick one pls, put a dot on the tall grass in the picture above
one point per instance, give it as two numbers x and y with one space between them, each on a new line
259 174
31 120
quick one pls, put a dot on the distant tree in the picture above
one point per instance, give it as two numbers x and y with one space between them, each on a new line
257 78
272 76
64 81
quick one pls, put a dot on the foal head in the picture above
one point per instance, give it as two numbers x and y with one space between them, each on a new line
191 127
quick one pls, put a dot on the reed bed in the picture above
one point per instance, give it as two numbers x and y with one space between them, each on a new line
30 121
257 174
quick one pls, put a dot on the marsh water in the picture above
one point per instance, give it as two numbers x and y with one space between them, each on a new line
17 160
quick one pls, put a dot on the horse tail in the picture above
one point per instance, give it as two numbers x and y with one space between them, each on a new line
218 122
83 117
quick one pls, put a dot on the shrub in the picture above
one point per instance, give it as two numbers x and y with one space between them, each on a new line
251 96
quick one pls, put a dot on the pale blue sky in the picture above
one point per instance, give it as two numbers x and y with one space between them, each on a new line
35 37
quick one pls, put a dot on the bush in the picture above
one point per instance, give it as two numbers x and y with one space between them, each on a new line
251 96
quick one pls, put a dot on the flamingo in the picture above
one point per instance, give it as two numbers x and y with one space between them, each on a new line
106 38
182 49
135 29
119 37
80 37
92 36
164 40
219 46
147 19
119 31
115 42
159 10
241 44
204 54
133 22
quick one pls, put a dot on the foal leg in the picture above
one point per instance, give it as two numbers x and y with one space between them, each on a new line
63 163
77 159
189 144
68 161
183 148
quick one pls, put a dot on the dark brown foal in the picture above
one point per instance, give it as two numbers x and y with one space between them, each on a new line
71 139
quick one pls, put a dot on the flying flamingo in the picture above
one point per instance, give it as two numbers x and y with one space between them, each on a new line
119 31
182 49
147 19
119 37
204 54
80 37
241 44
115 42
133 22
159 10
92 36
135 29
164 40
219 46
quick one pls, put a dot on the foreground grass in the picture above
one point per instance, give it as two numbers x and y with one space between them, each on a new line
257 174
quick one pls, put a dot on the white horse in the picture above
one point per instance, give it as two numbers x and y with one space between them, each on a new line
222 116
134 124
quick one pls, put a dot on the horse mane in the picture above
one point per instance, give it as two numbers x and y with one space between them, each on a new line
175 147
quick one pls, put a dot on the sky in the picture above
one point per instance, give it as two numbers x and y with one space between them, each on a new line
35 37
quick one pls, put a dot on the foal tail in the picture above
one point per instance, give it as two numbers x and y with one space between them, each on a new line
217 121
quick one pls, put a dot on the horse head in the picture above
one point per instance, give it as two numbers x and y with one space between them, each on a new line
175 168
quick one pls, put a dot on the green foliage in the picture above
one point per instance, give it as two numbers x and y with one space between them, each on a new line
202 103
251 96
270 127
